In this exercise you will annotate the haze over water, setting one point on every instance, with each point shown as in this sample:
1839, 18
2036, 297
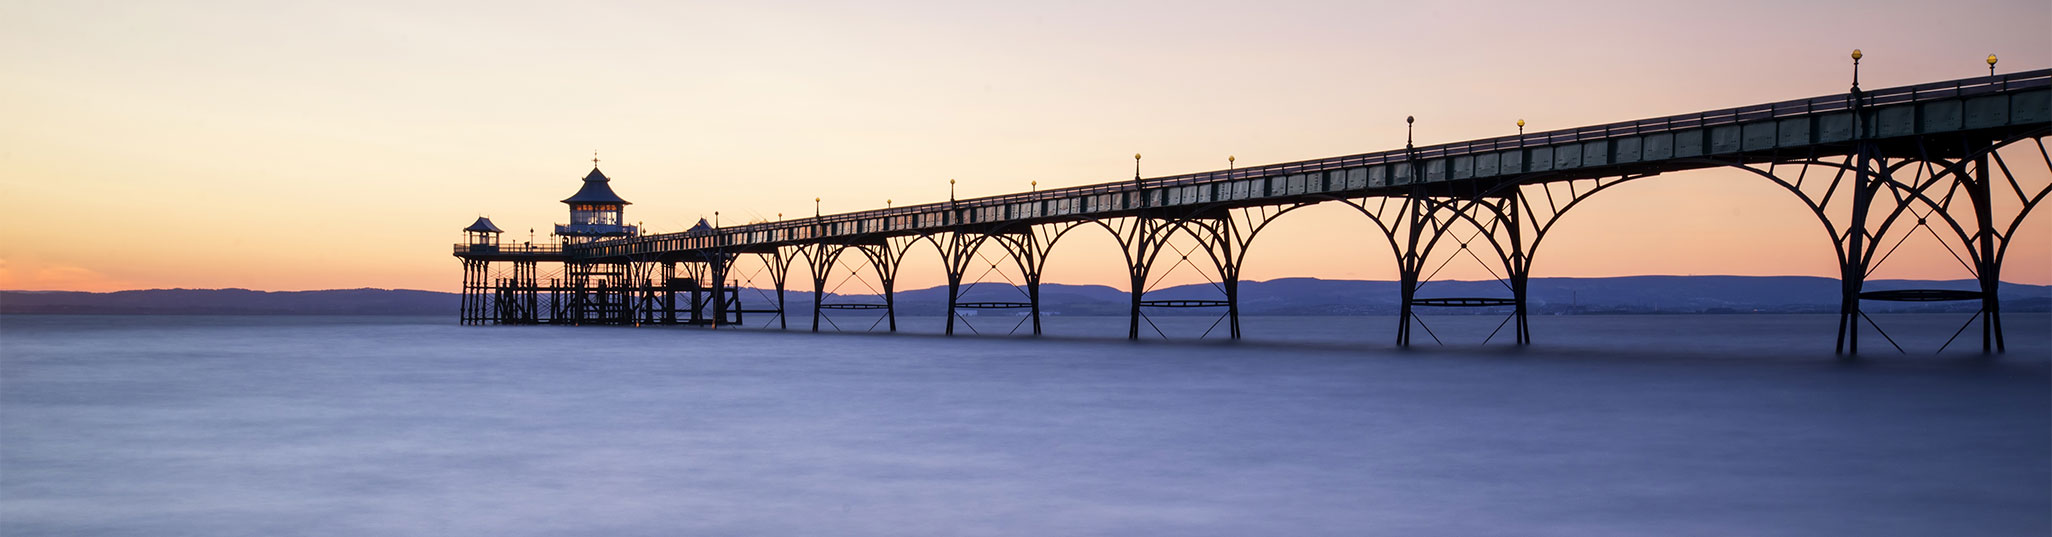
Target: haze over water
1641, 425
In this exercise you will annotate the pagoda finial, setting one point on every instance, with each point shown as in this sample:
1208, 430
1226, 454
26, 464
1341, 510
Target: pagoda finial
594, 158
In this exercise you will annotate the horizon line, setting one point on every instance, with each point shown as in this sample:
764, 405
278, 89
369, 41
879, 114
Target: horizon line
791, 290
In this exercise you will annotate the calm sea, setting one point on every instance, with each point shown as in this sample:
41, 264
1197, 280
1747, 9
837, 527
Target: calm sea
1626, 426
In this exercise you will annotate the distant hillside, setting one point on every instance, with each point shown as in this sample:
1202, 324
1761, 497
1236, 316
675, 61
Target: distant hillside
1288, 296
233, 302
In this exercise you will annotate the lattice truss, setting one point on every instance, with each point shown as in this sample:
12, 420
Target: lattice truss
1209, 244
763, 278
1430, 233
1968, 198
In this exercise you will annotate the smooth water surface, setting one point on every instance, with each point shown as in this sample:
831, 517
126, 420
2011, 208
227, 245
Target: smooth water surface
1656, 425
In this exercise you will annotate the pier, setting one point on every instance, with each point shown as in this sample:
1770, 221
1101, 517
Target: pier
1873, 165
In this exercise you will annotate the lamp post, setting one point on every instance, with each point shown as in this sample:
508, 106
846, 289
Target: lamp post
716, 219
1408, 122
1410, 152
1229, 165
1033, 186
815, 207
1991, 65
951, 191
1521, 126
1856, 55
1139, 191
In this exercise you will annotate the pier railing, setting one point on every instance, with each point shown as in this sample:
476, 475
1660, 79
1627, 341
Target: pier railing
514, 249
1365, 173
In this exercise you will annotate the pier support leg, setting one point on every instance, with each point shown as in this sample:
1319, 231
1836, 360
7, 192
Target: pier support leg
1518, 265
717, 266
1030, 266
954, 297
1138, 283
669, 292
955, 255
474, 274
1139, 262
780, 273
1228, 266
823, 262
1410, 263
1853, 265
1033, 297
525, 301
1990, 269
571, 294
818, 293
887, 275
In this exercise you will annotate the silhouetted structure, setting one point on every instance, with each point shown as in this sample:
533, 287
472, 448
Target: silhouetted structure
588, 291
1874, 167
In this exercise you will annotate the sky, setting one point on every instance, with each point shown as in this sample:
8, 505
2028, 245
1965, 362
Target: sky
294, 146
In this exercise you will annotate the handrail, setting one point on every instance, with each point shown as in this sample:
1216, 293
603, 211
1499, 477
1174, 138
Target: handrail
464, 248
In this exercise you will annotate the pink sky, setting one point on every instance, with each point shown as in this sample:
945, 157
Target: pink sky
293, 147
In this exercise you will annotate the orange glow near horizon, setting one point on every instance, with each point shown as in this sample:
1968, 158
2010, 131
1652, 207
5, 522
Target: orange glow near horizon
318, 147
